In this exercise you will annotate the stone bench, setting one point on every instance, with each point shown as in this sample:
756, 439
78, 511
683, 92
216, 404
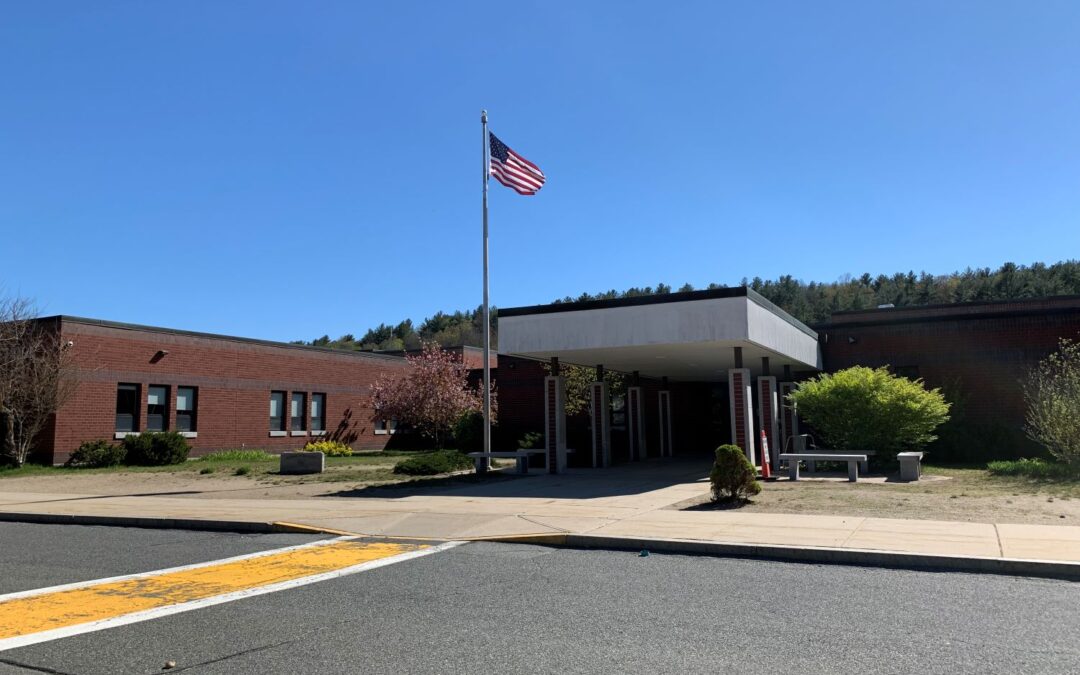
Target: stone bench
853, 462
864, 467
522, 457
910, 465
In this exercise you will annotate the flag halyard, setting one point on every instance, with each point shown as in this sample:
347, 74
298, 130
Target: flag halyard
513, 170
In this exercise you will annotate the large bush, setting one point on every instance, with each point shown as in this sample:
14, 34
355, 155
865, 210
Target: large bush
469, 432
871, 409
329, 448
432, 463
97, 453
1052, 391
733, 476
156, 448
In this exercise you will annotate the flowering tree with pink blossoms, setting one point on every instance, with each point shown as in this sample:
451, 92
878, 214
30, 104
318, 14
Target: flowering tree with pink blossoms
431, 395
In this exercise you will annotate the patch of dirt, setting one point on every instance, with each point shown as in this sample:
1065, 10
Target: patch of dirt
972, 496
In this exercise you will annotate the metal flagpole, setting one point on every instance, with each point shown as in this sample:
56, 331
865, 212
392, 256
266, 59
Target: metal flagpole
486, 314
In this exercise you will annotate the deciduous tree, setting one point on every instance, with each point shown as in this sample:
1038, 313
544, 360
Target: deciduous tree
431, 395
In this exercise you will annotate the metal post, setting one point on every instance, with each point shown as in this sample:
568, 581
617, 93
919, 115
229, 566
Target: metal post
486, 314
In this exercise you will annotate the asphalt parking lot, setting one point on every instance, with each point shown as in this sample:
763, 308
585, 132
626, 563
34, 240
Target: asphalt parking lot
510, 608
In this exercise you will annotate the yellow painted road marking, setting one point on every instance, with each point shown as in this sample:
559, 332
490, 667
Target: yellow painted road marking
36, 616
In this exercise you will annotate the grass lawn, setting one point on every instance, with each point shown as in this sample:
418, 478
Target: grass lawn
365, 467
970, 494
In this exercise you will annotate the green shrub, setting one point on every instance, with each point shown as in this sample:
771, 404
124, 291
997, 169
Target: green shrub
242, 471
733, 477
1034, 468
237, 455
1052, 392
156, 448
329, 448
97, 453
431, 463
469, 432
531, 441
871, 409
207, 469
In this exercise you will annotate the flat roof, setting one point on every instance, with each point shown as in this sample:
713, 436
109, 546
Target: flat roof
661, 298
978, 309
685, 336
213, 336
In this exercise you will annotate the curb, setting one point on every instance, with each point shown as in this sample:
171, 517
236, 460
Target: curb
246, 526
1050, 569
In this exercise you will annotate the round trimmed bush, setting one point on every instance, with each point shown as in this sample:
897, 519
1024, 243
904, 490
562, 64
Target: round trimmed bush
862, 408
93, 454
733, 477
156, 448
432, 463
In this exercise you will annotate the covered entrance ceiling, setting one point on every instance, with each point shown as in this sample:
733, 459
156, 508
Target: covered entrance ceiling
683, 336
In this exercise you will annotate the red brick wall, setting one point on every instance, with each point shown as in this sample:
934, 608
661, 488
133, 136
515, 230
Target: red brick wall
234, 380
982, 350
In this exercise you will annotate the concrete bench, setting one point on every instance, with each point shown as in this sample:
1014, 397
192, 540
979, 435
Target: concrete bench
522, 457
853, 462
864, 467
910, 465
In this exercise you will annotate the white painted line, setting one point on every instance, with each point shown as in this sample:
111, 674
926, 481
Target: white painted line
158, 612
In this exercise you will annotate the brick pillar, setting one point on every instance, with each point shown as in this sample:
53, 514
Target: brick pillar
664, 397
768, 411
555, 423
635, 422
742, 411
789, 419
601, 424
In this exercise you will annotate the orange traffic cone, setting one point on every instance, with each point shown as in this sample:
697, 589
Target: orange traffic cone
766, 472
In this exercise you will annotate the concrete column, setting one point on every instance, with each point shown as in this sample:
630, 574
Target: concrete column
635, 422
769, 415
742, 411
601, 424
664, 397
555, 423
789, 419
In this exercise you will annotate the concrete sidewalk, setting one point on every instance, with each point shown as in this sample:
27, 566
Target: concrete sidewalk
624, 502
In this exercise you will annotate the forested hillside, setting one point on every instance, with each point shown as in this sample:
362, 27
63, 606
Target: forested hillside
810, 302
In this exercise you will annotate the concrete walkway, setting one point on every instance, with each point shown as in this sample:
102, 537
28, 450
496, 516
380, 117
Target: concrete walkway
627, 501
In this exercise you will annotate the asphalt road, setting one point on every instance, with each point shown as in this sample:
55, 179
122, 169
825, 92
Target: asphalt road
501, 608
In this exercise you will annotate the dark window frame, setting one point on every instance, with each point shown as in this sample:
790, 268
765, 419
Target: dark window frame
190, 416
280, 426
321, 419
163, 413
135, 407
302, 409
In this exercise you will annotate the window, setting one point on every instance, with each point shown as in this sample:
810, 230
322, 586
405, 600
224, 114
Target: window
127, 407
157, 408
277, 411
186, 405
318, 412
297, 422
380, 427
392, 426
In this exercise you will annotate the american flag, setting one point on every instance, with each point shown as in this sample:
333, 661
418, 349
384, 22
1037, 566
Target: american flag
513, 170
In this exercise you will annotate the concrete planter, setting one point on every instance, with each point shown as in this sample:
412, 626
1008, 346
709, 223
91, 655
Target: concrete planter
302, 462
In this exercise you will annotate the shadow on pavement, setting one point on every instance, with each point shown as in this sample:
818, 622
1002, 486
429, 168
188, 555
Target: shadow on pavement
620, 480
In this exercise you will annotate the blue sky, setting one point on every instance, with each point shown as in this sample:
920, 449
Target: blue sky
287, 169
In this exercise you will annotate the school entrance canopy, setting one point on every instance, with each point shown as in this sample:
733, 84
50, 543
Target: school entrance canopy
731, 335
